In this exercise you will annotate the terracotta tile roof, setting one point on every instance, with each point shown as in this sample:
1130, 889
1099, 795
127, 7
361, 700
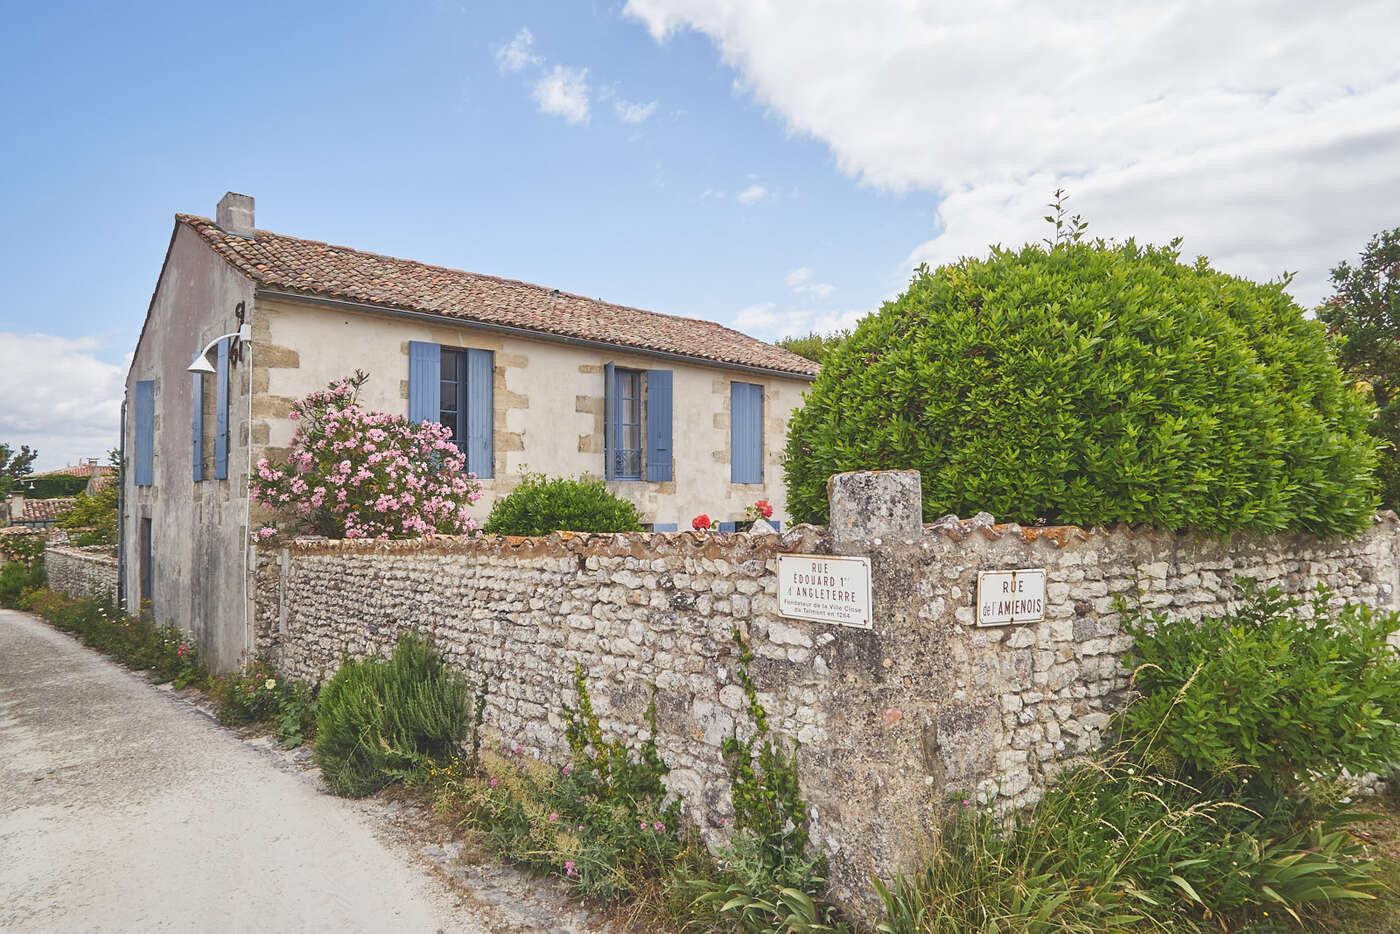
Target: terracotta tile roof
46, 510
319, 269
79, 470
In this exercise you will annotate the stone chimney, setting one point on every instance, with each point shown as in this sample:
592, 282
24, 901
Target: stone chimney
16, 507
235, 215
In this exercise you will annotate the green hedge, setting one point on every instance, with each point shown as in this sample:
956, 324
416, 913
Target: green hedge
540, 505
1092, 384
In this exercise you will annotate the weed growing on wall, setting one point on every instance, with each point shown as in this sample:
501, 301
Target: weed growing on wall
603, 822
354, 473
769, 879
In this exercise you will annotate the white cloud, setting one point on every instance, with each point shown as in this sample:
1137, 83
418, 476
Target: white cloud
766, 321
563, 92
715, 193
1266, 134
59, 398
628, 112
751, 195
518, 54
800, 281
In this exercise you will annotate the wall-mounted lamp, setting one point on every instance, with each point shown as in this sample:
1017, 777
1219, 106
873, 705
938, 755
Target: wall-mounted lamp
201, 362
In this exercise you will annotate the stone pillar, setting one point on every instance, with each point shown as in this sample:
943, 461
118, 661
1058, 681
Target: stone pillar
875, 504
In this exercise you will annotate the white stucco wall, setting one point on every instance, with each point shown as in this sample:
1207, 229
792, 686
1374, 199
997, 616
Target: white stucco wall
548, 403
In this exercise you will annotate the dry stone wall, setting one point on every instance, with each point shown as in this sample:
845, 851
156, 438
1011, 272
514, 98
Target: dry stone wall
81, 572
891, 721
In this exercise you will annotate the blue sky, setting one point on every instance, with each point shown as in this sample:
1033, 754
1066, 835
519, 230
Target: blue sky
775, 165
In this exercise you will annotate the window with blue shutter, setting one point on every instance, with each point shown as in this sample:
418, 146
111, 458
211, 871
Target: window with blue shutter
745, 433
197, 425
622, 431
424, 373
666, 527
729, 526
143, 421
659, 461
221, 413
480, 408
610, 425
455, 387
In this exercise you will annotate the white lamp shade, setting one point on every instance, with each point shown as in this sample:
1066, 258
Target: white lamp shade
201, 364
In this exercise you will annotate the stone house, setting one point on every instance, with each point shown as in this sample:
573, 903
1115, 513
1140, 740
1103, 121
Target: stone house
678, 415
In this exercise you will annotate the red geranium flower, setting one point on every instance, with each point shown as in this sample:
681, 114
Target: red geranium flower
700, 523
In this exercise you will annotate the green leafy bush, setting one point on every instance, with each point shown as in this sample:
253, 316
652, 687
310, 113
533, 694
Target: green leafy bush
540, 505
378, 719
135, 641
258, 695
1277, 690
18, 579
1091, 384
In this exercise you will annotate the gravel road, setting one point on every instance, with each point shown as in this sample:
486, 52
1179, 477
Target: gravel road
125, 808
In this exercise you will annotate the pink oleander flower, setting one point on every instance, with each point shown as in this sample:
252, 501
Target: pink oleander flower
568, 867
553, 817
495, 782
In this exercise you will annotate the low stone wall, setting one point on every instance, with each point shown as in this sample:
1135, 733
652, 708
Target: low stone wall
81, 572
891, 720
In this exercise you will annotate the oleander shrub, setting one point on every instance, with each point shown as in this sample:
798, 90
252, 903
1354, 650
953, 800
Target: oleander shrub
379, 720
1280, 691
1092, 383
541, 504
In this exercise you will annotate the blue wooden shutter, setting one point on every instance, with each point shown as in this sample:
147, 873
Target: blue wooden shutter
611, 427
480, 370
197, 425
729, 526
424, 382
143, 418
665, 527
745, 433
659, 425
221, 413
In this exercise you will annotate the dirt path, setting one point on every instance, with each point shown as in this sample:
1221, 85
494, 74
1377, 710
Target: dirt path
123, 807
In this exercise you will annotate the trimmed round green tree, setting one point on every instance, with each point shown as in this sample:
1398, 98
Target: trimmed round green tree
1092, 384
541, 504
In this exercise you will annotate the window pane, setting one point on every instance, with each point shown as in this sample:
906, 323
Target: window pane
631, 464
449, 396
450, 420
449, 364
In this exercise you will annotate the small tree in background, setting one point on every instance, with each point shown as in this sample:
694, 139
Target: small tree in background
815, 347
354, 473
14, 465
1365, 314
1093, 383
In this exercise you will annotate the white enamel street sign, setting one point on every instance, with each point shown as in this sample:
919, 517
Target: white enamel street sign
825, 589
1006, 597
